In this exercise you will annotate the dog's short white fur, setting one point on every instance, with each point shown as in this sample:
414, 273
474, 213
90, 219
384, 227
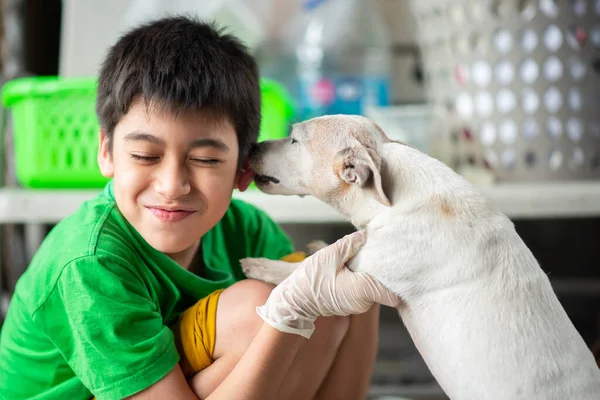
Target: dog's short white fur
478, 307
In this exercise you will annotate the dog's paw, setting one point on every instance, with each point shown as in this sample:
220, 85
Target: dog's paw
315, 246
253, 267
263, 269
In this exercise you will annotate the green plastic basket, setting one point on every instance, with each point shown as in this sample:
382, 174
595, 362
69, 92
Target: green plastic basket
56, 129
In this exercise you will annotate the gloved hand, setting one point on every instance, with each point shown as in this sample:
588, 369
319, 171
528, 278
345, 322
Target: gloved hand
323, 286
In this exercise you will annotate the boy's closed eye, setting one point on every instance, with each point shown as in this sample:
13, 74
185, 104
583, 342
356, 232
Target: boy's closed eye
199, 160
211, 150
144, 158
206, 161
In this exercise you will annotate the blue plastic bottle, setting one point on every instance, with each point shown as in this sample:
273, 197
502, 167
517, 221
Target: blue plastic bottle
334, 57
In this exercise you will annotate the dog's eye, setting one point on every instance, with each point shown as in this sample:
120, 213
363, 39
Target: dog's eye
294, 141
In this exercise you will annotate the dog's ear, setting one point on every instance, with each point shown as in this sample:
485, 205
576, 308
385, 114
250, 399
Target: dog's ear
362, 167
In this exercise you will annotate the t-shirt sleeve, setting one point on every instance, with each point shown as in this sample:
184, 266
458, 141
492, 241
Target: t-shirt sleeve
268, 238
108, 328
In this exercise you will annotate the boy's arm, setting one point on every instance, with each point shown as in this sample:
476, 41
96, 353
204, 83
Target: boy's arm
172, 386
293, 307
115, 342
258, 374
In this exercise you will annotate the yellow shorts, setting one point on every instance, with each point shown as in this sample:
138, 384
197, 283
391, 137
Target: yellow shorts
195, 334
195, 331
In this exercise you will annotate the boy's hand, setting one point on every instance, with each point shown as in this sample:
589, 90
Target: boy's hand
323, 286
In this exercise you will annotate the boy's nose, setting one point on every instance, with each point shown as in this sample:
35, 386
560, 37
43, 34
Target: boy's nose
172, 182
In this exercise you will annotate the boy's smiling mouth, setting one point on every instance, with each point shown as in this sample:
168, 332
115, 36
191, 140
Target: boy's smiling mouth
167, 214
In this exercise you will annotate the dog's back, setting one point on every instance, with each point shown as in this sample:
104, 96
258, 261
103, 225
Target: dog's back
478, 306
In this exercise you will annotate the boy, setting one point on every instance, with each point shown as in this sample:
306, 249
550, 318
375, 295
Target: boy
142, 287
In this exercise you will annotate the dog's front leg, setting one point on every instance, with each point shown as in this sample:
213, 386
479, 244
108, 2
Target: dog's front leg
275, 271
270, 271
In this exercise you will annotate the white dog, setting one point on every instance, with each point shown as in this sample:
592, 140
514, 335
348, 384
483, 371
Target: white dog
478, 307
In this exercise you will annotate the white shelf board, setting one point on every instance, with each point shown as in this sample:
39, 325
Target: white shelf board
545, 200
50, 206
526, 200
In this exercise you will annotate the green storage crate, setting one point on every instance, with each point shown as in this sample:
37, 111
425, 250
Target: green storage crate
56, 129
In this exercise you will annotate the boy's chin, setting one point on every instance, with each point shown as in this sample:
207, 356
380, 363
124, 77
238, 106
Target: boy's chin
174, 247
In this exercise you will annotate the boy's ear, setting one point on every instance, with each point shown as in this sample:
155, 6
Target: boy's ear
105, 160
244, 177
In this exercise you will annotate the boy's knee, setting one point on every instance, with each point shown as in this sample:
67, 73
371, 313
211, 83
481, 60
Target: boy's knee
237, 319
238, 322
252, 291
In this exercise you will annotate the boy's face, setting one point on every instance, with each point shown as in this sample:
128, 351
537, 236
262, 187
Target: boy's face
173, 175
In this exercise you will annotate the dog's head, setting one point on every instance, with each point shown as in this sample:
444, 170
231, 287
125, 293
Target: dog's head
333, 158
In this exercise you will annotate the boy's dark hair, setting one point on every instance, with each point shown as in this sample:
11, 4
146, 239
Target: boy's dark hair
182, 64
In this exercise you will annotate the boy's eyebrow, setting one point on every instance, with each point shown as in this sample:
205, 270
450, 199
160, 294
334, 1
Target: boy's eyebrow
208, 142
134, 136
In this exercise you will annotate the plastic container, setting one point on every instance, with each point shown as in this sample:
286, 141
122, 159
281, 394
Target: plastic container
277, 110
514, 85
56, 128
334, 58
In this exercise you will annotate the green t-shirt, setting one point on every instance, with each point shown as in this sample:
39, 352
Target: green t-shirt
90, 314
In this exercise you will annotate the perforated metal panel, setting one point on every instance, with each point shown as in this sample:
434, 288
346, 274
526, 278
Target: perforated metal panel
515, 84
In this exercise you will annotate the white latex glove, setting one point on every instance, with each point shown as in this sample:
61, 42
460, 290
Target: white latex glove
323, 286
